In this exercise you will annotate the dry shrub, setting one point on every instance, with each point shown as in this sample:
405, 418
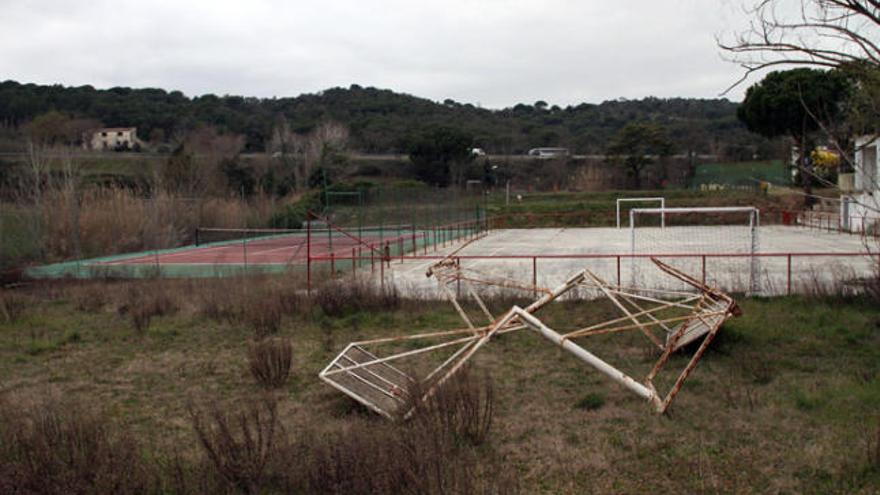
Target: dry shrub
874, 449
343, 297
256, 302
12, 305
90, 297
239, 444
462, 408
219, 299
262, 313
872, 285
143, 301
105, 220
270, 361
369, 458
56, 447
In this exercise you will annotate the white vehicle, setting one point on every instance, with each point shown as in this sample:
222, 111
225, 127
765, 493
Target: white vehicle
478, 152
548, 152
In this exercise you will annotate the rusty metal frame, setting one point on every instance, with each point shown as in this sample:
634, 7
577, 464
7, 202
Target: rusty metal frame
708, 309
362, 374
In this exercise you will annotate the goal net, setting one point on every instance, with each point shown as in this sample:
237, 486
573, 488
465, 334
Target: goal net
718, 243
623, 214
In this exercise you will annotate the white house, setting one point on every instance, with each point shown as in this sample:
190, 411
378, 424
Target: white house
114, 138
860, 211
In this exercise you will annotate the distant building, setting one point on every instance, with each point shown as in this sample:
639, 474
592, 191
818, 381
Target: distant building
548, 152
861, 211
114, 138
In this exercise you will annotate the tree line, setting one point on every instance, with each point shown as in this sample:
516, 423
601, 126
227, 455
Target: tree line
383, 121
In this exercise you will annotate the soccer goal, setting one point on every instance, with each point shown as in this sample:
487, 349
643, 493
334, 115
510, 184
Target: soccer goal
660, 201
719, 243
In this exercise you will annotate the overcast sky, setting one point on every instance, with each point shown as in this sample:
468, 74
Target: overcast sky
487, 52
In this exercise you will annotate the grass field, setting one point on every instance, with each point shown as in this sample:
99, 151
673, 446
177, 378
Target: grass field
786, 401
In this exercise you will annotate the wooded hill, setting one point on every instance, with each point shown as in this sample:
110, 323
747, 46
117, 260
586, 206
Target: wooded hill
383, 121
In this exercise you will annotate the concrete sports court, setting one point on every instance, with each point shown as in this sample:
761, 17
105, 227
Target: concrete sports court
790, 258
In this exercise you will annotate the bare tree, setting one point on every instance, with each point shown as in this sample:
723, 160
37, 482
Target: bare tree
833, 34
816, 33
300, 154
195, 168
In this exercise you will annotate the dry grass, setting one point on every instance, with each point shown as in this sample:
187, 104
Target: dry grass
768, 408
108, 220
141, 302
64, 447
12, 305
263, 314
90, 297
408, 458
874, 448
270, 361
343, 297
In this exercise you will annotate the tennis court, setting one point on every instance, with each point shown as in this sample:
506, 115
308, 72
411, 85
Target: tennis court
224, 252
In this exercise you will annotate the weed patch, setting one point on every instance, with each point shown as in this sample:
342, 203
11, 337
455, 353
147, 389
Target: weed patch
591, 402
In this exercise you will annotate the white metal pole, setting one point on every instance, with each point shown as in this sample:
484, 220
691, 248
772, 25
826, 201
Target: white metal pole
585, 356
618, 213
663, 213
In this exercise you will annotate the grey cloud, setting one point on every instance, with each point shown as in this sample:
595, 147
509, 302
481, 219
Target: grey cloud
497, 53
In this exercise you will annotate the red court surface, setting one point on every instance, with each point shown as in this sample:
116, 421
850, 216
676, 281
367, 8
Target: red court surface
274, 251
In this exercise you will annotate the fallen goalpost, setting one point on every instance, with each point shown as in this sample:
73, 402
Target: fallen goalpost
392, 375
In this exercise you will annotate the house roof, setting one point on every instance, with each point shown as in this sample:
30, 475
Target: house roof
115, 129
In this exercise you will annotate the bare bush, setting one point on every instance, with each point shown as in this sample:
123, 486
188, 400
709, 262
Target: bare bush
55, 447
270, 361
12, 305
240, 444
462, 408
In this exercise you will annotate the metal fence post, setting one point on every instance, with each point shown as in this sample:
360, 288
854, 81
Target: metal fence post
458, 279
309, 255
703, 260
535, 275
789, 275
618, 270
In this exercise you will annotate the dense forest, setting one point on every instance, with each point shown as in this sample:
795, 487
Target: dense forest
382, 121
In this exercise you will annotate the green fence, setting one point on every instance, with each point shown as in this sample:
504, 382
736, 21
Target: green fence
354, 229
740, 175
